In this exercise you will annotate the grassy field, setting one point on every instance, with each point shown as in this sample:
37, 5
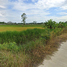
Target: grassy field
35, 25
40, 43
19, 27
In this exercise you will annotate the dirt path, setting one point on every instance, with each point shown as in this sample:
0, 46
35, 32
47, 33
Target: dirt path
59, 59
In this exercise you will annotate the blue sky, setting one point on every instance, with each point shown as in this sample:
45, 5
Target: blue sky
36, 10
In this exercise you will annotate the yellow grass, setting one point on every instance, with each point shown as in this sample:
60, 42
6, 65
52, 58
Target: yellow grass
17, 28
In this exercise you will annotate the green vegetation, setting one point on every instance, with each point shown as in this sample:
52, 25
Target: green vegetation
10, 25
52, 24
20, 37
28, 48
33, 25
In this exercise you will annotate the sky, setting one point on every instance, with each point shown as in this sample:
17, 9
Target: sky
36, 10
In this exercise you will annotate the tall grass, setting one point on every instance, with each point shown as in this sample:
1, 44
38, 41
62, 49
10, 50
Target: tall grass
20, 37
22, 55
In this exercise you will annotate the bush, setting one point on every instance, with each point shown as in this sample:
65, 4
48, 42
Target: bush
9, 47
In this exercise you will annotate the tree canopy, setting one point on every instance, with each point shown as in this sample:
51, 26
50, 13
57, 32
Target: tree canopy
23, 16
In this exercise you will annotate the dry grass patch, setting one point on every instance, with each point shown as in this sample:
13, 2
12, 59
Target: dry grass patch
8, 59
54, 44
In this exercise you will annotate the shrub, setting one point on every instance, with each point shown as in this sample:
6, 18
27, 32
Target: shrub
9, 47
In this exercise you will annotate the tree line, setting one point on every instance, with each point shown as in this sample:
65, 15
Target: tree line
50, 24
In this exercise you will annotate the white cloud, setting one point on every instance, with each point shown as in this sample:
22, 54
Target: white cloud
1, 15
35, 12
41, 4
2, 6
3, 3
64, 7
62, 13
46, 4
62, 18
45, 18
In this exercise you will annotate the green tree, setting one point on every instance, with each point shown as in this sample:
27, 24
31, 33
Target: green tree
23, 16
50, 24
61, 25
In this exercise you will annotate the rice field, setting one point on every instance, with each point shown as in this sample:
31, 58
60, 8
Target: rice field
17, 28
